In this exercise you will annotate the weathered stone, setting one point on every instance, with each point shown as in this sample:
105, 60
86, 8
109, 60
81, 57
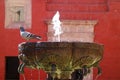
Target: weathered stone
60, 58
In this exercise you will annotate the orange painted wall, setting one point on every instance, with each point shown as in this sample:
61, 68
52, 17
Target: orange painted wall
107, 32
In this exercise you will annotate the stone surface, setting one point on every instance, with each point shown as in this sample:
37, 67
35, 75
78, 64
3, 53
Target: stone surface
74, 30
17, 13
76, 37
65, 56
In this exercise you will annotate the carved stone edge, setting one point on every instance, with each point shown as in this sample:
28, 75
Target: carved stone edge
73, 22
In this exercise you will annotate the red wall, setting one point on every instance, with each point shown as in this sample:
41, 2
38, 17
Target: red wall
107, 32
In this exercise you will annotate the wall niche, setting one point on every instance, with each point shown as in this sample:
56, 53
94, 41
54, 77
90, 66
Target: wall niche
17, 12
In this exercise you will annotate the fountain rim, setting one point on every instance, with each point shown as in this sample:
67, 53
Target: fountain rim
46, 44
64, 42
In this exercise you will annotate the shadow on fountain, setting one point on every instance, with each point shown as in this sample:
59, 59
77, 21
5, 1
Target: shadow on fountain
61, 60
77, 75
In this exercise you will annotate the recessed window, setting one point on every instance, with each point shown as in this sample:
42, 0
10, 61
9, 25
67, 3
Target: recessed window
17, 12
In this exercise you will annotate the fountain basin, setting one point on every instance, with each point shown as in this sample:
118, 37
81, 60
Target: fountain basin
60, 59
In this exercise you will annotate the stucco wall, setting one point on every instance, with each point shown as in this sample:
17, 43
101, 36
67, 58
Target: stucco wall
107, 32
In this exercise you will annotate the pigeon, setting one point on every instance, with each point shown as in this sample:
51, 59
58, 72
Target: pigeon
27, 35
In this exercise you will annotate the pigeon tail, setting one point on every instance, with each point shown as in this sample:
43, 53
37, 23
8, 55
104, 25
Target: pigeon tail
37, 37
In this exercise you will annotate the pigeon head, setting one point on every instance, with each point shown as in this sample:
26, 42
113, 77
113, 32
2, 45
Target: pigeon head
22, 29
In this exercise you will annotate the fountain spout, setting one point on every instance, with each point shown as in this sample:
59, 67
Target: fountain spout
57, 25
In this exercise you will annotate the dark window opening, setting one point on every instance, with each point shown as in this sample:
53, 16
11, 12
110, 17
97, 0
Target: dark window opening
11, 67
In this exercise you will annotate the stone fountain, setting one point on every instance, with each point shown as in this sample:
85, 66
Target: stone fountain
68, 55
61, 60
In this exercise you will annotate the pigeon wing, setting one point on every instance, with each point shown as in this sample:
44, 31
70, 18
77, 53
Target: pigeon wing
26, 35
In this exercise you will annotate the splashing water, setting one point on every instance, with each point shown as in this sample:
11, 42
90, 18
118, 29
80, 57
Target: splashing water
57, 25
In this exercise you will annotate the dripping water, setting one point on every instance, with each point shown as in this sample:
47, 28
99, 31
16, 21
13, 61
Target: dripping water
39, 74
23, 76
31, 74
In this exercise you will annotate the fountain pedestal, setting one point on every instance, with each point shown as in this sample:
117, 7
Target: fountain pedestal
62, 60
74, 31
